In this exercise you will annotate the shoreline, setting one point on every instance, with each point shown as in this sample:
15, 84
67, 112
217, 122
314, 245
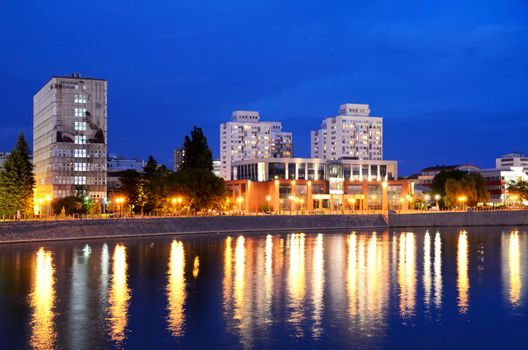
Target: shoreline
92, 229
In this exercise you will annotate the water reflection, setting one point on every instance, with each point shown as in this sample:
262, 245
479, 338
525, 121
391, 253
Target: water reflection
176, 289
427, 279
42, 301
367, 282
196, 266
512, 267
438, 271
318, 280
407, 274
119, 296
296, 281
462, 273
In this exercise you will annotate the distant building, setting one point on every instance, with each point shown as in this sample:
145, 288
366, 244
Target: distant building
497, 181
217, 167
70, 137
246, 137
428, 174
353, 134
179, 155
512, 160
3, 157
117, 166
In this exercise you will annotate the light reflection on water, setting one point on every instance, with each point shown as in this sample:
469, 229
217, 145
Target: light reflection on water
275, 288
42, 300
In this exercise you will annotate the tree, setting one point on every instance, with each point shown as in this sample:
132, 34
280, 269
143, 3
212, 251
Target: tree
17, 181
197, 153
519, 187
439, 181
471, 186
201, 188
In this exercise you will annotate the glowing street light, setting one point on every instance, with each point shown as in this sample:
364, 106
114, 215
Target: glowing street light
437, 199
462, 200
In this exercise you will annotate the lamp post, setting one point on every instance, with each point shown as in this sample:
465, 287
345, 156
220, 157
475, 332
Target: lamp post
427, 199
437, 199
268, 199
40, 200
48, 203
292, 200
120, 201
462, 200
239, 201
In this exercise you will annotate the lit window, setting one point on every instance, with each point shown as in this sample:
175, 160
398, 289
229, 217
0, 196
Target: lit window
80, 112
80, 139
81, 126
80, 153
80, 99
79, 180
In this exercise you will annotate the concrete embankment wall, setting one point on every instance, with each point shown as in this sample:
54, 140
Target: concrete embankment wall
88, 229
478, 218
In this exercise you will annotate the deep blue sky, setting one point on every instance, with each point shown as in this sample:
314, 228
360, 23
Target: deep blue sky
449, 77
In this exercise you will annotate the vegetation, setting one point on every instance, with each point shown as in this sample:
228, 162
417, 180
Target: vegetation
156, 189
519, 188
80, 203
17, 181
457, 187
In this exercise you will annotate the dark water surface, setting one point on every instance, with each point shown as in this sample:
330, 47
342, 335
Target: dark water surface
436, 288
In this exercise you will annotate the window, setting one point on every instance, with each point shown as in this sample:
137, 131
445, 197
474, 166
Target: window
80, 99
80, 167
81, 126
80, 153
80, 139
79, 180
80, 112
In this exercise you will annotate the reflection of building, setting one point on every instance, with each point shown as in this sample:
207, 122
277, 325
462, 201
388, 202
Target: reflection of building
352, 134
179, 155
297, 183
245, 137
427, 175
69, 137
512, 160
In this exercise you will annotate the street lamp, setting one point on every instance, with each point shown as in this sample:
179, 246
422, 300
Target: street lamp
120, 201
239, 201
462, 200
437, 199
48, 202
427, 199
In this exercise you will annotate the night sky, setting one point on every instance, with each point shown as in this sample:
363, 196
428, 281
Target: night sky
450, 78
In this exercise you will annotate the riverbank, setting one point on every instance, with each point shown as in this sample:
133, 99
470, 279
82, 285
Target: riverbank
469, 218
31, 231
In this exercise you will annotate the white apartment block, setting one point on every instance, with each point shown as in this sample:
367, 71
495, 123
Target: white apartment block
70, 137
512, 160
353, 134
245, 137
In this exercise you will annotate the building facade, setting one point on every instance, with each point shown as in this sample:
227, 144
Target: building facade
117, 166
70, 137
497, 181
246, 137
317, 184
512, 160
352, 134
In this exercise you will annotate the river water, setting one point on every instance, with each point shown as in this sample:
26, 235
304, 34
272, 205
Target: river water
419, 288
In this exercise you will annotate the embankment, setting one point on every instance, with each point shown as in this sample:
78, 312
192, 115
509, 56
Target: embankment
470, 218
110, 228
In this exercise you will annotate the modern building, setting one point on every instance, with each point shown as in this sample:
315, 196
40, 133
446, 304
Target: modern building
316, 184
352, 134
425, 178
512, 160
246, 137
497, 181
178, 156
70, 137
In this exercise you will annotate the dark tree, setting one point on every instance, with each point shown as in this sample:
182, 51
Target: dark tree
17, 181
453, 184
439, 181
520, 188
197, 153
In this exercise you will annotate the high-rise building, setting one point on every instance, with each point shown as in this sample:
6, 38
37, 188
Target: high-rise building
353, 134
70, 137
245, 137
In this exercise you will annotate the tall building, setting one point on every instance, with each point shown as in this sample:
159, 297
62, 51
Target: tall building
512, 160
353, 134
245, 137
179, 155
70, 137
